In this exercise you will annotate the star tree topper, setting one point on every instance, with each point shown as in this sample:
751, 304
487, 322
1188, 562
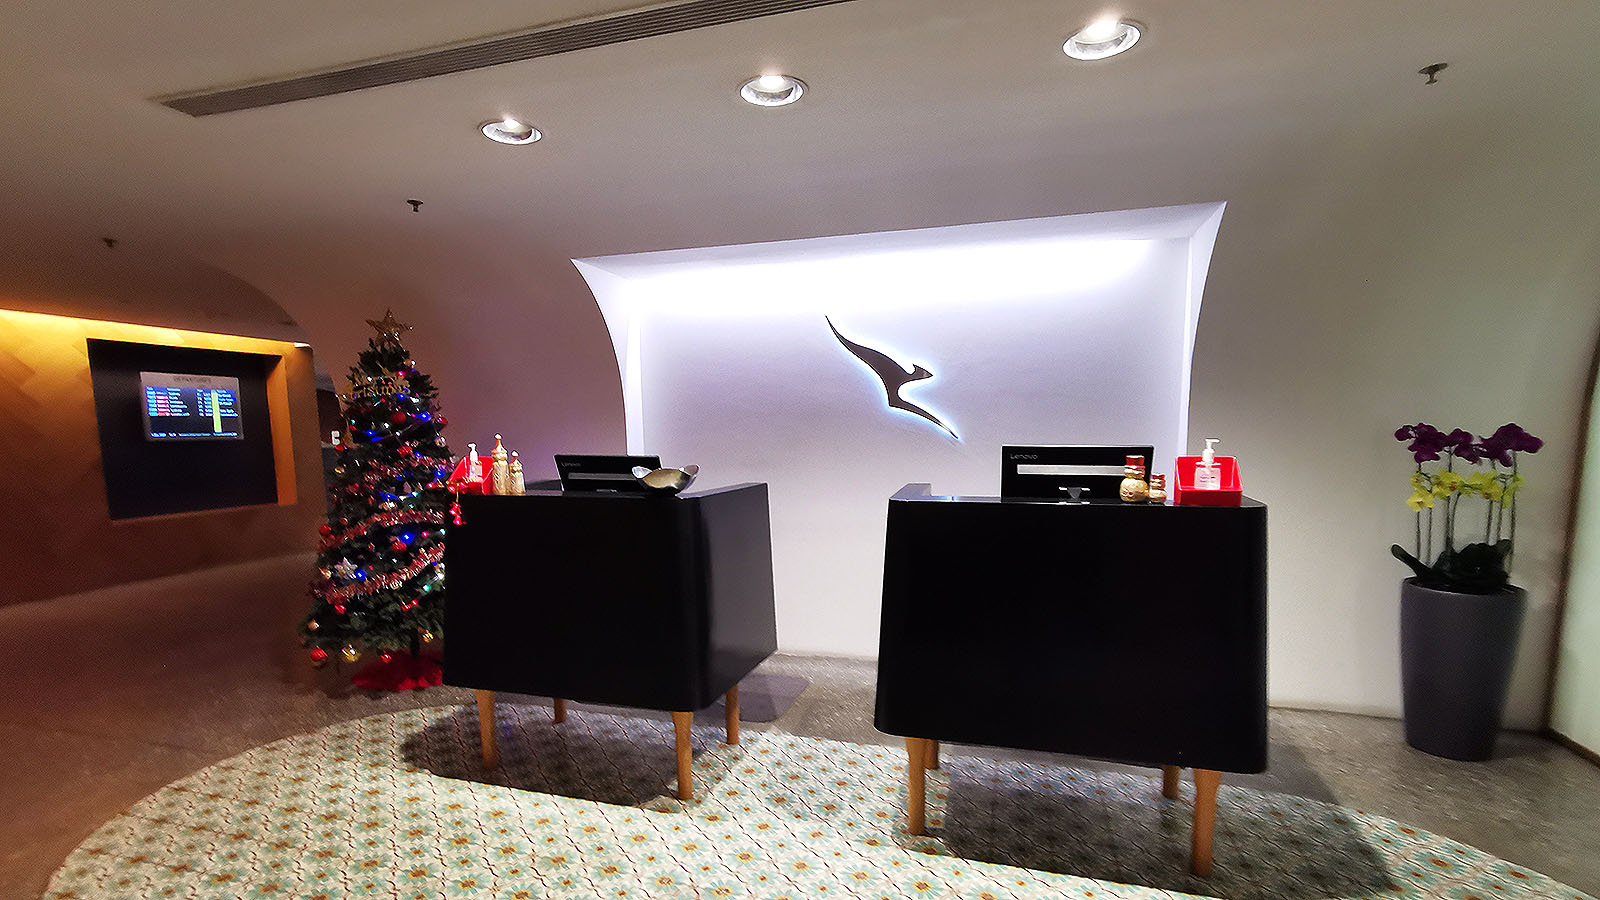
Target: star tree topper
389, 328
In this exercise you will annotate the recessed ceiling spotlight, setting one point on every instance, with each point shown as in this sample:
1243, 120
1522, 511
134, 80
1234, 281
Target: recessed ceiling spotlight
510, 131
1103, 38
772, 90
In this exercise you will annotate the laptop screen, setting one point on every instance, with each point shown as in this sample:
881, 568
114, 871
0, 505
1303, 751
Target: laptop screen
590, 472
1085, 473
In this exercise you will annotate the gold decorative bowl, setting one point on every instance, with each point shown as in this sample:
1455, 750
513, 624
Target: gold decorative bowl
666, 480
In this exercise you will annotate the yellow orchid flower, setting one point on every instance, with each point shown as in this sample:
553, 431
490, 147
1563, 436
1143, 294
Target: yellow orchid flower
1483, 484
1446, 483
1419, 481
1419, 499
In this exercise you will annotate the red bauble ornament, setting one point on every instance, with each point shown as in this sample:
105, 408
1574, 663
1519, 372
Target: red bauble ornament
319, 655
339, 608
399, 417
326, 530
386, 656
398, 546
443, 421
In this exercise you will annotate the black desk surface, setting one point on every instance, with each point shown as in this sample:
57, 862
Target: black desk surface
653, 602
1129, 632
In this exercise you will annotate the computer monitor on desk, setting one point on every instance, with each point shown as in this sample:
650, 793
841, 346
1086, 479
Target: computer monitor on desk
614, 474
1086, 474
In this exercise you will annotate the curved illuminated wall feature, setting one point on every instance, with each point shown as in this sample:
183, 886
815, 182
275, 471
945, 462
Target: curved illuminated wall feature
1064, 330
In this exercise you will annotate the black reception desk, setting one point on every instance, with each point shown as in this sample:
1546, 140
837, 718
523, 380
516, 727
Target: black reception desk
647, 601
1128, 632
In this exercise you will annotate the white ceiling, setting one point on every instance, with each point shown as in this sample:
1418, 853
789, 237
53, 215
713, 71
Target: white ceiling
922, 112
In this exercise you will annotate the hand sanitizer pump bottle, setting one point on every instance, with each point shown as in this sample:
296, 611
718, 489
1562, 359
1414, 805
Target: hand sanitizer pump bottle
1207, 477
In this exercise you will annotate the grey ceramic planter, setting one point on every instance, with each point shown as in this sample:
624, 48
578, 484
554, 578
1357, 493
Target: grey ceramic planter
1456, 654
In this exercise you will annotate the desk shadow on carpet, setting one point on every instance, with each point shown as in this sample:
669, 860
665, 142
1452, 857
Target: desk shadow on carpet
1106, 825
1117, 827
613, 757
764, 697
619, 759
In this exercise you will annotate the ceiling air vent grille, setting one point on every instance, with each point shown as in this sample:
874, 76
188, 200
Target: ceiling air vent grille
546, 41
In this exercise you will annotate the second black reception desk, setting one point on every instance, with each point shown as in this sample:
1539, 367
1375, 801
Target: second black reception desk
1127, 632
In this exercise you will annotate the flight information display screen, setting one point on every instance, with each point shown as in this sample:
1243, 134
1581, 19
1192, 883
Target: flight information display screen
180, 407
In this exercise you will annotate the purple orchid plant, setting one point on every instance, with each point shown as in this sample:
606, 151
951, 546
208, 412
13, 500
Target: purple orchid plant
1437, 493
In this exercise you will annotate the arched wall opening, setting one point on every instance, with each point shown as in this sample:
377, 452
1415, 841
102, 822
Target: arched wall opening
1574, 705
756, 362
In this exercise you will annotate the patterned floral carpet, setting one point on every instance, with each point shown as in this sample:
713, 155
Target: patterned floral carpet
398, 806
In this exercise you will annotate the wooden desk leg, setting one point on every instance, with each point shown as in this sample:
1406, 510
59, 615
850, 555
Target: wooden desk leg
933, 754
680, 724
1205, 819
1169, 782
916, 784
732, 703
560, 710
491, 747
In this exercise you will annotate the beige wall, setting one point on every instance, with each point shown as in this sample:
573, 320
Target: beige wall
1379, 268
57, 535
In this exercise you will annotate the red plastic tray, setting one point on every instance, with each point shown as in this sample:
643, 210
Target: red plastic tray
1185, 494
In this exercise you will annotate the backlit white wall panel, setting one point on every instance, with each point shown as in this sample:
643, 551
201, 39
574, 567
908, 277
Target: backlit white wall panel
1060, 335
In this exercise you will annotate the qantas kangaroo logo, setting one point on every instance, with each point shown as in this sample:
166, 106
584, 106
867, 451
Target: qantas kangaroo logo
893, 376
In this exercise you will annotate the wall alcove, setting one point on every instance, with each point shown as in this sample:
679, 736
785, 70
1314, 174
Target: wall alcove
748, 361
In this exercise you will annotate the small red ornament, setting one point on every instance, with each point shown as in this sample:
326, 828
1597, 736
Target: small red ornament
386, 656
319, 655
339, 608
326, 530
405, 450
443, 421
399, 417
398, 546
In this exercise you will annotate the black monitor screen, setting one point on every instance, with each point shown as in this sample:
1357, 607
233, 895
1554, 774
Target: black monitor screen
592, 472
190, 407
1090, 474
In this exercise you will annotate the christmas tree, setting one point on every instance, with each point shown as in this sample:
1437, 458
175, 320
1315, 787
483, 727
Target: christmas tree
380, 563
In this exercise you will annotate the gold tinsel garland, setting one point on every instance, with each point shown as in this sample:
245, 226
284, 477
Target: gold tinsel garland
390, 580
382, 520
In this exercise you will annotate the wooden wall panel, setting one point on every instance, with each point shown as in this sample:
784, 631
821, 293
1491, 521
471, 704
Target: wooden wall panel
56, 536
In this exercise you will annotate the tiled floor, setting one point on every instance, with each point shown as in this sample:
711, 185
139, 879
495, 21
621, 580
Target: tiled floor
110, 695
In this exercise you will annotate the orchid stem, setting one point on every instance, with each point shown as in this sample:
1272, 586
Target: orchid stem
1511, 553
1427, 559
1419, 521
1500, 513
1450, 508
